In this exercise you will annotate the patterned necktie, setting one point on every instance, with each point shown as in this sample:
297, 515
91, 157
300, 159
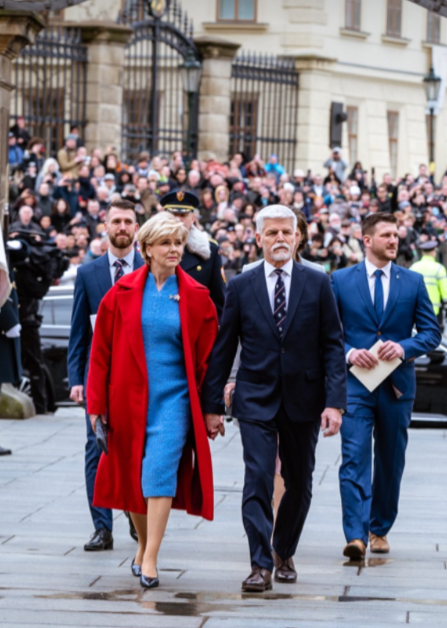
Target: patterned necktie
119, 272
378, 295
279, 303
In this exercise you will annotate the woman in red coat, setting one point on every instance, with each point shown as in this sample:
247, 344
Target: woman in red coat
153, 337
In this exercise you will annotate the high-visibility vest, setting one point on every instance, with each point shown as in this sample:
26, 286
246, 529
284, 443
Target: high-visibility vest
435, 279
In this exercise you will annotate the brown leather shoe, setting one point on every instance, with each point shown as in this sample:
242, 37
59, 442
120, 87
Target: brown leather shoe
258, 581
378, 544
285, 571
355, 549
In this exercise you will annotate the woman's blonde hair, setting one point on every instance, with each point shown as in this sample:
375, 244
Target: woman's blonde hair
160, 226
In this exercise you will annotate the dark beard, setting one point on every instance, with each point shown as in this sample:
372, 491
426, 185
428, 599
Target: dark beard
121, 244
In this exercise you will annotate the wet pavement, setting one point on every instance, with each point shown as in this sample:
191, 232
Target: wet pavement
46, 579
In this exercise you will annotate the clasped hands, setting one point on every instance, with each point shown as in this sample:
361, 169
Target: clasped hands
364, 359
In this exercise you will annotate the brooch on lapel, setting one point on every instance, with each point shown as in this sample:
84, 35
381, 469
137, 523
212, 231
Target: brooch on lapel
176, 297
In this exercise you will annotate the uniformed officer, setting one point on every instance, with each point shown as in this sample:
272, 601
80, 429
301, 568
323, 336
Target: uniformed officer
201, 259
435, 276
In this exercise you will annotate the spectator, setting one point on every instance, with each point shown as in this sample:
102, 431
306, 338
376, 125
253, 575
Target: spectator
336, 164
93, 219
68, 158
36, 152
44, 200
15, 154
20, 133
25, 223
60, 215
49, 172
66, 190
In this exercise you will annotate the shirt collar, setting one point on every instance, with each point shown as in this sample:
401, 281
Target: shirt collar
287, 268
371, 269
129, 258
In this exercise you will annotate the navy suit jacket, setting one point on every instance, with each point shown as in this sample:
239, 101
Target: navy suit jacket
92, 282
408, 306
305, 370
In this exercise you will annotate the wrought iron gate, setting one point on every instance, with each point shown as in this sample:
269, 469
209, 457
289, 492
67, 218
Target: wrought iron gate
50, 79
156, 114
264, 107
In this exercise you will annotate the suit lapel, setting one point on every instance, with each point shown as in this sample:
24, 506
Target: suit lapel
298, 281
103, 276
362, 284
130, 301
393, 294
259, 285
138, 261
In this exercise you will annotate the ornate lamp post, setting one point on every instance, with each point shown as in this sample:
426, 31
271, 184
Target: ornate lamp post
432, 84
190, 71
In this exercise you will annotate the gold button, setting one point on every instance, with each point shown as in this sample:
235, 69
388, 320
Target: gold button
199, 268
379, 333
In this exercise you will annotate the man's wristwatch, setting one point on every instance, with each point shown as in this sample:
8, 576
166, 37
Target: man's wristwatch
342, 411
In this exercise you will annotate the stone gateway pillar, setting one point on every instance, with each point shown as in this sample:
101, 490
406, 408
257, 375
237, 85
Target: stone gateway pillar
106, 42
215, 97
17, 30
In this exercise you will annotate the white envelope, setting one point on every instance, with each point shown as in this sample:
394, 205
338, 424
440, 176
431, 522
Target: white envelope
374, 377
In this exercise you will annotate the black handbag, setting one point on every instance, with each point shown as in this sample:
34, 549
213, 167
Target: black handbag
102, 435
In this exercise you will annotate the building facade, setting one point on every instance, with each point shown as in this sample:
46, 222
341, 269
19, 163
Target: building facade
371, 57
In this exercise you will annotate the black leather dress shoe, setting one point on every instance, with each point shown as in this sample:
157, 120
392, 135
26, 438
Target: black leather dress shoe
136, 569
5, 452
258, 581
285, 571
132, 531
149, 583
100, 540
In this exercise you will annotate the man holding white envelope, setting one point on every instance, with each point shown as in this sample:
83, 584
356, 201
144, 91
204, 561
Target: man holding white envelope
379, 305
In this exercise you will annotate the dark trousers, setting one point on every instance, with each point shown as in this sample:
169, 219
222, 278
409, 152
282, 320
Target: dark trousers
297, 443
102, 517
32, 361
370, 503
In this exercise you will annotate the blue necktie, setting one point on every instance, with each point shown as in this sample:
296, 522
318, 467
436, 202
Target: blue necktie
378, 295
279, 303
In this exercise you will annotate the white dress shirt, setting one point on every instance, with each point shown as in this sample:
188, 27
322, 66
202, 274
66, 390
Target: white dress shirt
386, 278
271, 278
127, 268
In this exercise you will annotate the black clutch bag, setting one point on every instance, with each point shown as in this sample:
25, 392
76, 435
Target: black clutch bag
102, 436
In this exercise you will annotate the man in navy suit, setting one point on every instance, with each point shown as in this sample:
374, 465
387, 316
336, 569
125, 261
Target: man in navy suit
378, 300
291, 381
92, 282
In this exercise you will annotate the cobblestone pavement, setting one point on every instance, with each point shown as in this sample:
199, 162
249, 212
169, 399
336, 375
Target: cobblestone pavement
46, 579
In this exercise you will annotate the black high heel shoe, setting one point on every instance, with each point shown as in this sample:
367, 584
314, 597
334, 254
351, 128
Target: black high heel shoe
136, 569
149, 583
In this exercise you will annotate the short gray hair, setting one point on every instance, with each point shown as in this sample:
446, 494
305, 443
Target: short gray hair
274, 211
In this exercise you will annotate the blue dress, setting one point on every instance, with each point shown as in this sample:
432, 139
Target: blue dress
169, 409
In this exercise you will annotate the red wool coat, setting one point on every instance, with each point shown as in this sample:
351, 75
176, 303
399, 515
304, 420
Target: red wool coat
118, 385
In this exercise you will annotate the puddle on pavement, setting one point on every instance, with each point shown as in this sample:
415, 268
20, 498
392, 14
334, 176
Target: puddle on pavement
186, 604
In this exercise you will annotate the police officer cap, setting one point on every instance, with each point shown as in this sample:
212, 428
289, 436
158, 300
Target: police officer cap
428, 246
179, 202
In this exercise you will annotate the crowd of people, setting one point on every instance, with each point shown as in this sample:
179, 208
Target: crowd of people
64, 199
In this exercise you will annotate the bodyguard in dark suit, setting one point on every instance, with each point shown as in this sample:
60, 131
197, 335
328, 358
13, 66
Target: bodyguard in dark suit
378, 300
291, 382
93, 280
201, 258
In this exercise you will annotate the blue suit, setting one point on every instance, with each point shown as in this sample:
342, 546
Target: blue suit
371, 504
282, 387
93, 280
